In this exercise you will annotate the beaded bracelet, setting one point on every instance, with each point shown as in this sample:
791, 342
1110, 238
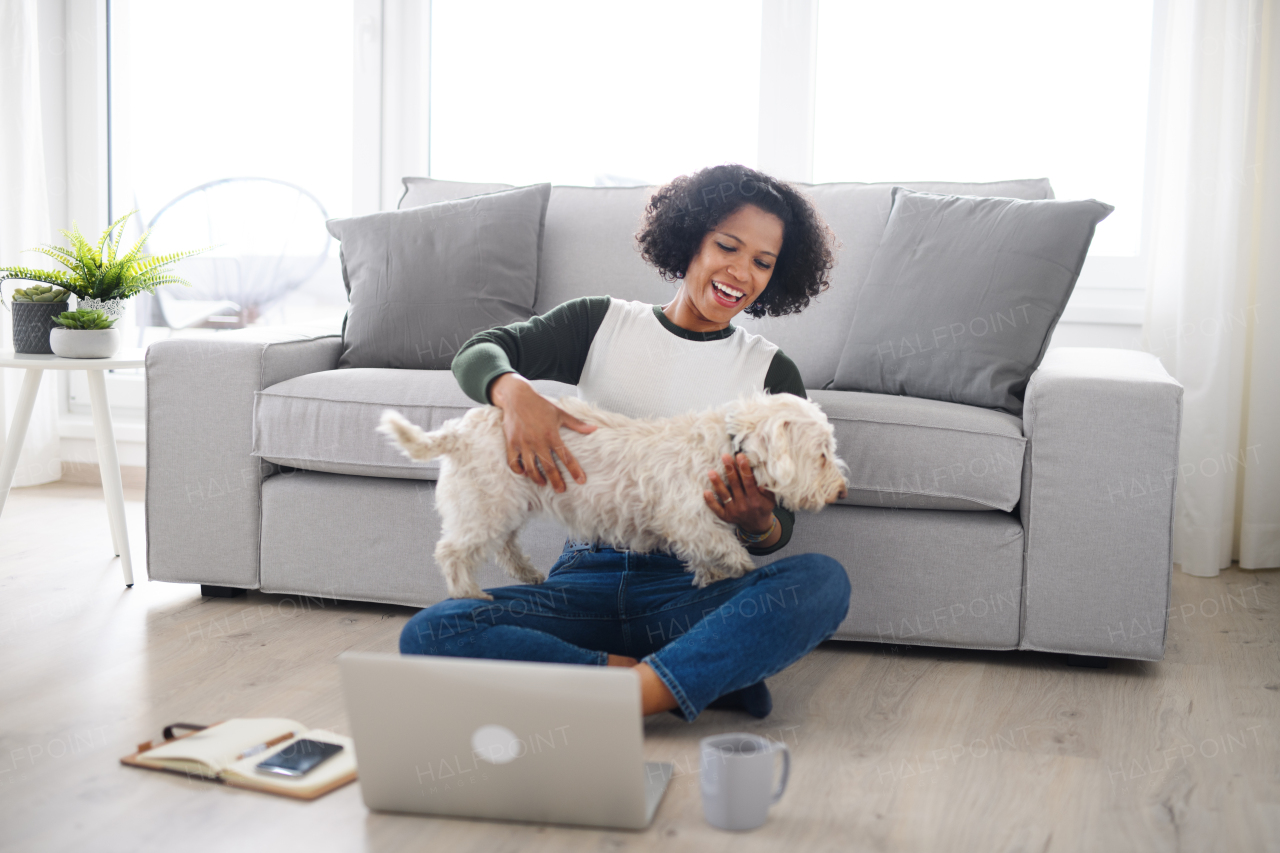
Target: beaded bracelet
757, 538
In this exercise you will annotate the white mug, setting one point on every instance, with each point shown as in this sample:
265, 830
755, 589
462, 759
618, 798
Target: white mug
737, 779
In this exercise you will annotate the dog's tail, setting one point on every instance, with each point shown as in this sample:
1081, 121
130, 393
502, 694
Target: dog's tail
416, 442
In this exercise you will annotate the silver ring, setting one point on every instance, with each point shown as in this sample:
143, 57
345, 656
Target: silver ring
728, 500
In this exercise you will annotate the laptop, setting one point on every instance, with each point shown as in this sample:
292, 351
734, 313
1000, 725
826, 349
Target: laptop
504, 740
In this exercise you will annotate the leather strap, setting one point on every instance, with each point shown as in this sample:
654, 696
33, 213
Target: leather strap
168, 730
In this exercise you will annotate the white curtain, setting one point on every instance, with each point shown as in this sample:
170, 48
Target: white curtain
1213, 309
24, 222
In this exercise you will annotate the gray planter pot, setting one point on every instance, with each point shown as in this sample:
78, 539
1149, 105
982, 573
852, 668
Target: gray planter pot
32, 323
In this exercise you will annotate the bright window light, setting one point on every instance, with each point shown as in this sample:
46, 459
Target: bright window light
592, 93
236, 88
204, 92
986, 90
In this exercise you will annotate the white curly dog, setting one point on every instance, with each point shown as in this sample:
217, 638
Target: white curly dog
645, 482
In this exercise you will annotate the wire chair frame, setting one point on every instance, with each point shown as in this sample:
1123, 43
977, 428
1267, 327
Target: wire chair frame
302, 200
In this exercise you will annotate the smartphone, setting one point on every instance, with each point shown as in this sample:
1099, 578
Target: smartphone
298, 758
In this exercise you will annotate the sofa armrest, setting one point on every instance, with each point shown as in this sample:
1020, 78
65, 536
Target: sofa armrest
203, 486
1098, 486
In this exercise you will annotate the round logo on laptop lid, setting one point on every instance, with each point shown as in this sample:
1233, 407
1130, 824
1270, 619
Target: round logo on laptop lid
497, 744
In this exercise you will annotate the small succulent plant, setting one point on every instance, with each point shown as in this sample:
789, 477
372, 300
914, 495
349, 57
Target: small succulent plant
41, 293
85, 318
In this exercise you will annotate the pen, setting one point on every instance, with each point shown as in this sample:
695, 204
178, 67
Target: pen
264, 746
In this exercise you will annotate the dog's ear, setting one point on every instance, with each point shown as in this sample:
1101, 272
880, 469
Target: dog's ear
779, 457
745, 414
741, 419
768, 448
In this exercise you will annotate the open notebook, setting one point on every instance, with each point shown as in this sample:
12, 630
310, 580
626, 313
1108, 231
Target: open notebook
218, 753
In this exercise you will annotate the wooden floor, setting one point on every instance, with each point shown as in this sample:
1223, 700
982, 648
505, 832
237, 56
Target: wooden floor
894, 748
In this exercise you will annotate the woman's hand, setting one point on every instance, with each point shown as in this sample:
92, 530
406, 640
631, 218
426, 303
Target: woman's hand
737, 499
532, 425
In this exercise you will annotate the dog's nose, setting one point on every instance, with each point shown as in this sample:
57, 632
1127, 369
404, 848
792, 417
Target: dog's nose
842, 494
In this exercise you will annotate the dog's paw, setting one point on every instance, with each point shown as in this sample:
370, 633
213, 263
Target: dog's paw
704, 575
736, 568
472, 591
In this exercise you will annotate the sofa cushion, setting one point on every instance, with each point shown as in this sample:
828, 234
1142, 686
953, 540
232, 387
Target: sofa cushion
591, 248
423, 281
909, 453
326, 421
857, 213
902, 452
963, 294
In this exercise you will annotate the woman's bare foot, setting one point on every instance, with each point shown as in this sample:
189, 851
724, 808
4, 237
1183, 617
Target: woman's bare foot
654, 695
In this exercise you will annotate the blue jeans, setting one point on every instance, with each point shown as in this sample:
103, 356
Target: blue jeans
702, 643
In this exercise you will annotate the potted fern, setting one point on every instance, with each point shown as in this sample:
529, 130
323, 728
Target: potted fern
84, 333
103, 277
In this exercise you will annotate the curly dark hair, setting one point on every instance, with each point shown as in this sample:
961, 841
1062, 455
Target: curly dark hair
682, 212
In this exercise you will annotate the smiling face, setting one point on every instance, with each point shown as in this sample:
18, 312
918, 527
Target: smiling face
729, 271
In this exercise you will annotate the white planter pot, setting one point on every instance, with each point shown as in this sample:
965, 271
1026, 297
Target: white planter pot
84, 343
113, 308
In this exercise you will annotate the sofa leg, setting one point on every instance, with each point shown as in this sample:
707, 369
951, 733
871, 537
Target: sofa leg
210, 591
1087, 661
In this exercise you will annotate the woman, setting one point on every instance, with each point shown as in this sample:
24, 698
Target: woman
737, 241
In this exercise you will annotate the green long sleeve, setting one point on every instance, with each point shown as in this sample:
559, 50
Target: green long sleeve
553, 345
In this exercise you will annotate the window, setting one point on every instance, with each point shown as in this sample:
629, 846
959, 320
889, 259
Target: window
592, 93
214, 93
987, 90
582, 92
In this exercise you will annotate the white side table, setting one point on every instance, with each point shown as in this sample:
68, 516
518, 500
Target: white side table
108, 463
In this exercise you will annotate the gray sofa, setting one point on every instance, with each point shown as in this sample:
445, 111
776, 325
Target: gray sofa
963, 527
